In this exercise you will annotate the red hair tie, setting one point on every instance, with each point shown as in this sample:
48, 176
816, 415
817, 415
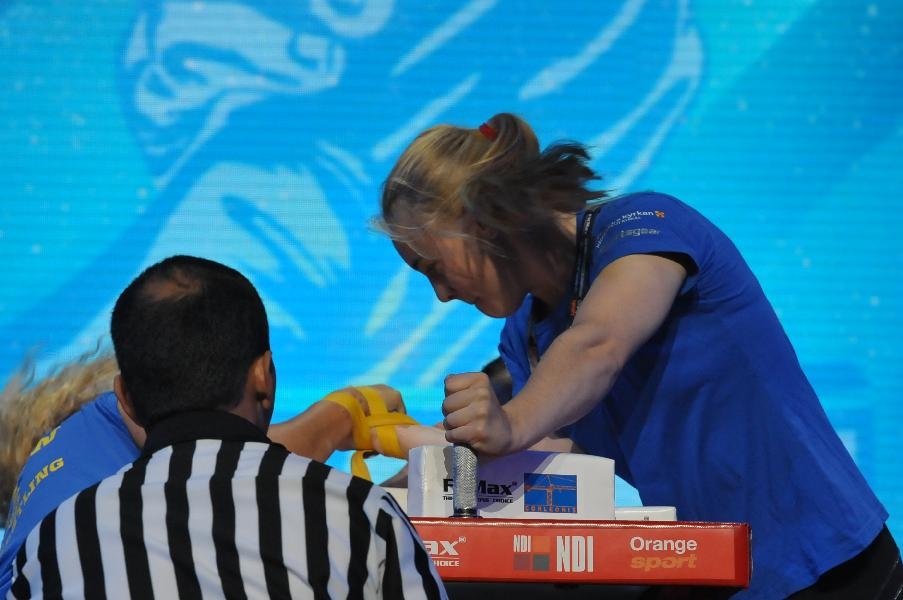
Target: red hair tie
488, 132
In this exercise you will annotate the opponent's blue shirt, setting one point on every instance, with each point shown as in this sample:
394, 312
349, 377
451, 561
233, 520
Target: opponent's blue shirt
93, 443
714, 414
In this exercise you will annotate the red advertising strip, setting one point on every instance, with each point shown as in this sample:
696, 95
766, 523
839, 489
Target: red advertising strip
624, 552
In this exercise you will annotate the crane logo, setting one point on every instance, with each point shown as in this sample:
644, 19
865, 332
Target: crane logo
547, 493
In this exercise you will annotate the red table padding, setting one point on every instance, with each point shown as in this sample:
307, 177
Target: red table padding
617, 552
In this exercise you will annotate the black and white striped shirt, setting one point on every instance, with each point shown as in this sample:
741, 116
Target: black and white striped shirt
213, 509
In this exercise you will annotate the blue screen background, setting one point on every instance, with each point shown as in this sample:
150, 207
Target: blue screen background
258, 134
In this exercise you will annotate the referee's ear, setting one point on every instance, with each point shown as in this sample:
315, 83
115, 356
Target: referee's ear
125, 401
127, 410
262, 378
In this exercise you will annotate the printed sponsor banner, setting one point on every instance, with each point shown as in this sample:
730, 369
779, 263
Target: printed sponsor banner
545, 550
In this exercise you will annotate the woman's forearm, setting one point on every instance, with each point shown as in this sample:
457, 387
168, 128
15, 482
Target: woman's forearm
575, 372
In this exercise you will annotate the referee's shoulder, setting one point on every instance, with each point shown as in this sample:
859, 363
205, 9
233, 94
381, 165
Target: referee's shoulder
353, 487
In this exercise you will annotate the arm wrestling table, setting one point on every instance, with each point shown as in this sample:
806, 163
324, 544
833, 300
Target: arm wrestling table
565, 557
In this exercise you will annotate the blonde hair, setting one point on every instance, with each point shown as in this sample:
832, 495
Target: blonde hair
30, 409
503, 182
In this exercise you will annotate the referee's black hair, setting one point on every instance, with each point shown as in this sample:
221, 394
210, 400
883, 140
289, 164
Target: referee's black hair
185, 333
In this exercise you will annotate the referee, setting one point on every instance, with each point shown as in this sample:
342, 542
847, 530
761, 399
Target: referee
212, 508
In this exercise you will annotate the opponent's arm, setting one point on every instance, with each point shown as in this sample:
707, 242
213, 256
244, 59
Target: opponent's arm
326, 426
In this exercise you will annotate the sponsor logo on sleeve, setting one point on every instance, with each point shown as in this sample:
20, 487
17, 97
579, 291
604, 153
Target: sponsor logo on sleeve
608, 236
637, 215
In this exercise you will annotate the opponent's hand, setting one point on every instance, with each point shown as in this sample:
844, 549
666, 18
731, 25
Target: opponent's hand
390, 396
473, 415
411, 436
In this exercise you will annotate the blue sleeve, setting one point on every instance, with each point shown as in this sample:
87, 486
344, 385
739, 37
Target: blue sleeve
650, 223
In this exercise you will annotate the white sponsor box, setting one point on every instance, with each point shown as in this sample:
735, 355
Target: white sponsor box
524, 485
645, 513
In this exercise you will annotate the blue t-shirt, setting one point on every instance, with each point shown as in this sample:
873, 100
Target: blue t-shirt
93, 443
714, 414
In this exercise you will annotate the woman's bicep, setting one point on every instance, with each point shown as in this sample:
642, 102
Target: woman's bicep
629, 300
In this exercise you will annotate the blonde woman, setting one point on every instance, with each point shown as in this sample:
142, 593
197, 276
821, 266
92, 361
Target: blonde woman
634, 327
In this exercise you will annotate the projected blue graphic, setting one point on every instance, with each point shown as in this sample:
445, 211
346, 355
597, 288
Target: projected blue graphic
258, 134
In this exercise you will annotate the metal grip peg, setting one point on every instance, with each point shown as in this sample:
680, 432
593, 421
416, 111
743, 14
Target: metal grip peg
464, 481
